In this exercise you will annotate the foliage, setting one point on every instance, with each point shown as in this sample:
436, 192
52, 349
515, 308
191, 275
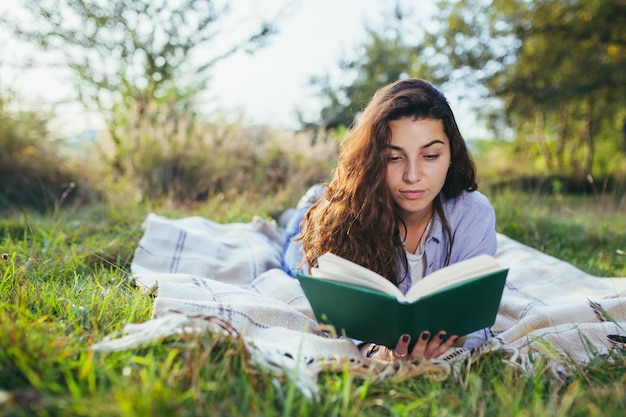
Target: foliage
388, 54
33, 172
557, 67
223, 158
64, 285
182, 160
502, 164
549, 74
128, 57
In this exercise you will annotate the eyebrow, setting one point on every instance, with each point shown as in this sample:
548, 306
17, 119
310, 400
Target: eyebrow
434, 142
428, 145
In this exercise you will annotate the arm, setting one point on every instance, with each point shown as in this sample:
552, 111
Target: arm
292, 251
292, 254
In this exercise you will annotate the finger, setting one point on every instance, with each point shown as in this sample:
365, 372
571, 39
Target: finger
434, 344
420, 346
402, 347
445, 346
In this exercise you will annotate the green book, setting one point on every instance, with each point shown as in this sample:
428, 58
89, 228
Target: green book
460, 299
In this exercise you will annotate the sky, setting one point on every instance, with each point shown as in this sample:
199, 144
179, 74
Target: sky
265, 87
311, 41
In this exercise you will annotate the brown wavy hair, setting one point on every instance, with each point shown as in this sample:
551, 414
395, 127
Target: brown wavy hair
356, 218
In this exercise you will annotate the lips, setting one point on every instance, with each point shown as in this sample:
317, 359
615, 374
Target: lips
412, 194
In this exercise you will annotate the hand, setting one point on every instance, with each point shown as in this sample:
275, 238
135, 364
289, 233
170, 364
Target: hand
424, 348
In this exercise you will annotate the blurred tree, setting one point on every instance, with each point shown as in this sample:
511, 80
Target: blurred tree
558, 67
552, 72
388, 54
132, 57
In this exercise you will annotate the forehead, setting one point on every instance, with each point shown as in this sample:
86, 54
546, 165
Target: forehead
417, 132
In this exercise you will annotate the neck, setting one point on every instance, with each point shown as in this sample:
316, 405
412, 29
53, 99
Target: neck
414, 231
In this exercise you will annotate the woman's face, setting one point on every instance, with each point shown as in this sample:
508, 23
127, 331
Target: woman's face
418, 161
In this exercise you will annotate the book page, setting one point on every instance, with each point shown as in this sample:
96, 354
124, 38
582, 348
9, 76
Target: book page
336, 268
453, 274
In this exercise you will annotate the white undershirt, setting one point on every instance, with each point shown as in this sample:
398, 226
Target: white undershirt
416, 265
416, 260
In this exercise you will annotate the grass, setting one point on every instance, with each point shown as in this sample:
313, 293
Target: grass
65, 285
588, 232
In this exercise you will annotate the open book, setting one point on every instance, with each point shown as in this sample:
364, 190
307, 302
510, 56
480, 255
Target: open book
460, 298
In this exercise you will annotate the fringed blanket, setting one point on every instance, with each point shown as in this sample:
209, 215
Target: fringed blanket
227, 278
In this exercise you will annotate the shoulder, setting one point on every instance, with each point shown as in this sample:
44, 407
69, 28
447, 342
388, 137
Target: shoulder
473, 222
470, 213
468, 203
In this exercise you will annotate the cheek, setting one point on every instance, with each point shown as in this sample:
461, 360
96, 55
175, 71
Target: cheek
441, 174
394, 174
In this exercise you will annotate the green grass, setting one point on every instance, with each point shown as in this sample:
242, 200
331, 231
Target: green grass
66, 285
587, 232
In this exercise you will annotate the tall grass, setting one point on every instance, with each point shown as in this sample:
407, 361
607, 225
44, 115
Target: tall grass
65, 284
165, 155
589, 232
178, 155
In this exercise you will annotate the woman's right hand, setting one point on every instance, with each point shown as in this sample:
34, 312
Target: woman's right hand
425, 347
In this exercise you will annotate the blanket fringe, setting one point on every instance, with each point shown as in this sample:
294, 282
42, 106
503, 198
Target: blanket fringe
137, 334
299, 367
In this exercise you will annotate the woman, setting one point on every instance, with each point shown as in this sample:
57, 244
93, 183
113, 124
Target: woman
402, 202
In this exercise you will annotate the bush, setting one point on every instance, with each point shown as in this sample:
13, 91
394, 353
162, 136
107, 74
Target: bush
167, 155
33, 174
503, 165
177, 156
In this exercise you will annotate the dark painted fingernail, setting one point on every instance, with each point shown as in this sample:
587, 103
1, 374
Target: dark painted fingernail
425, 335
442, 335
405, 338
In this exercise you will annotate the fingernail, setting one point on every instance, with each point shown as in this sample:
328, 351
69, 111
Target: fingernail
442, 335
405, 338
425, 335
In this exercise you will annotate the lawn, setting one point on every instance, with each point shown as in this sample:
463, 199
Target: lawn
65, 285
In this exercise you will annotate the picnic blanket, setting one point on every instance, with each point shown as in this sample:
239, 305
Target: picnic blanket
227, 278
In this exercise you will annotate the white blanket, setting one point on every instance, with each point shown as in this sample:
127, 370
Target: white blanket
227, 277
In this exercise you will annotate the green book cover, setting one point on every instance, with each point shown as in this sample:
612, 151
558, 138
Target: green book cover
374, 316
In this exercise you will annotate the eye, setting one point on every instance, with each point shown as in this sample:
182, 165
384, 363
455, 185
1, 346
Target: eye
394, 157
431, 157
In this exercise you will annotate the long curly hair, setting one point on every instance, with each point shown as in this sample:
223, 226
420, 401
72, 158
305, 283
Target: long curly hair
357, 218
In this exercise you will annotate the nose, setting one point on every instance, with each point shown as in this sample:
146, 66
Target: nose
412, 172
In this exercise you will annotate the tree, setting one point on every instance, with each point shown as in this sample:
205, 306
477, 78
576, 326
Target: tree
553, 72
131, 58
388, 54
559, 68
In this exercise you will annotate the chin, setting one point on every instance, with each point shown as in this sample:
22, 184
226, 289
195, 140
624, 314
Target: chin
412, 210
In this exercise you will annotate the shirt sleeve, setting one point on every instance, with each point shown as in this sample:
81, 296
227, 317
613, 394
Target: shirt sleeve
292, 251
474, 234
473, 223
